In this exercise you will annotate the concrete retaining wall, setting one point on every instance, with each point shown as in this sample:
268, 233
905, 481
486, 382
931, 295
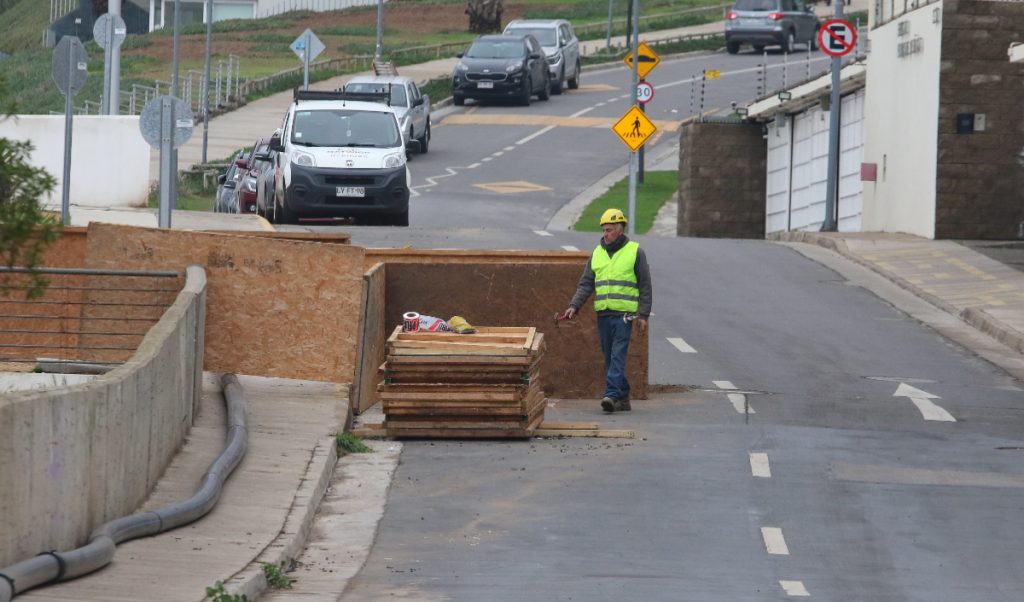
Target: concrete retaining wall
76, 457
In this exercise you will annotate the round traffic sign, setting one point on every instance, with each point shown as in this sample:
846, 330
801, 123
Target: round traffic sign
837, 37
109, 28
644, 92
151, 121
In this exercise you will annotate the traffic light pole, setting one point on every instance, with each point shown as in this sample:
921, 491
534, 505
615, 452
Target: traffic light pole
634, 158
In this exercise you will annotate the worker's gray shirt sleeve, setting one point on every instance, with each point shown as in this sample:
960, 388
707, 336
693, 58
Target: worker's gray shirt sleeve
643, 282
584, 288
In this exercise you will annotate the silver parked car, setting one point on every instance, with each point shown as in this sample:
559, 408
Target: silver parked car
763, 23
411, 106
561, 49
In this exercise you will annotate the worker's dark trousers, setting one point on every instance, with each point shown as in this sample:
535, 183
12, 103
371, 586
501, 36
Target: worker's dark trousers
615, 335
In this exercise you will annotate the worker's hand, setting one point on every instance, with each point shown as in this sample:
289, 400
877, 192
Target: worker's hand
569, 314
641, 323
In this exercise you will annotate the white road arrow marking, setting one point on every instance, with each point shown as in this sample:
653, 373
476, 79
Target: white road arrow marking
922, 399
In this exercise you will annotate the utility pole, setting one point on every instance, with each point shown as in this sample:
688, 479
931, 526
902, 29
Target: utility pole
174, 92
380, 30
608, 40
114, 91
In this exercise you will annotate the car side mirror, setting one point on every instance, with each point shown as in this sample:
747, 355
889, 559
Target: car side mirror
222, 178
534, 55
262, 157
230, 184
412, 146
562, 43
241, 163
459, 55
417, 102
275, 143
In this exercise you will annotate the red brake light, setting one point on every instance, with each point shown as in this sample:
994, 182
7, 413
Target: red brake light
775, 16
733, 15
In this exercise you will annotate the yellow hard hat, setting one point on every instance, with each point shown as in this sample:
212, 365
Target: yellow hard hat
613, 216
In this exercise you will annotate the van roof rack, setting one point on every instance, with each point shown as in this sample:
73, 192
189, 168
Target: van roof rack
342, 95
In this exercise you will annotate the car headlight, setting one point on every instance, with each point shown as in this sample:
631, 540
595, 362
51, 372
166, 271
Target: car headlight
555, 58
250, 185
394, 160
304, 159
512, 68
460, 66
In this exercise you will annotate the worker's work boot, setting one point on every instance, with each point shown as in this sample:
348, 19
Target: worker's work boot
608, 404
621, 405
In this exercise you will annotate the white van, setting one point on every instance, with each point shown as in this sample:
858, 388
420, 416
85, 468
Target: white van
341, 155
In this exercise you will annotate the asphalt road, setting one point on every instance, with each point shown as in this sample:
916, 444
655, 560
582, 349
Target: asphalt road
812, 440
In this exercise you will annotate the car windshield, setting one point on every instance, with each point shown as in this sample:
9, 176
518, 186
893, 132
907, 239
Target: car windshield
343, 127
755, 5
495, 49
545, 35
398, 96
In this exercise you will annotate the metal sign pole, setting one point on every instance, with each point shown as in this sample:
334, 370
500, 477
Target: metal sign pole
380, 30
65, 200
305, 64
166, 169
633, 157
608, 39
829, 223
114, 8
206, 77
108, 58
173, 182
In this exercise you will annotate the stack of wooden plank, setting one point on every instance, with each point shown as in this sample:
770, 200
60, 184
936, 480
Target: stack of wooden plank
481, 385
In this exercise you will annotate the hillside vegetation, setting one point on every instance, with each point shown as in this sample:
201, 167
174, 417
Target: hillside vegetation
263, 44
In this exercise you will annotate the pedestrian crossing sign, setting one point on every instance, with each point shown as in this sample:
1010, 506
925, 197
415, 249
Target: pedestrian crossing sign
634, 128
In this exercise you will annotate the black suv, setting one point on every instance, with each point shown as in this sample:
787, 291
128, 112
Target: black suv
763, 23
501, 67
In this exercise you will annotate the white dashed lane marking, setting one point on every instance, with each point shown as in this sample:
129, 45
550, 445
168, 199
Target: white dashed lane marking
794, 588
739, 401
681, 345
542, 233
774, 542
473, 166
535, 134
724, 384
759, 466
569, 248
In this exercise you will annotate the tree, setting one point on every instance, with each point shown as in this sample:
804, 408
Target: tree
484, 15
25, 230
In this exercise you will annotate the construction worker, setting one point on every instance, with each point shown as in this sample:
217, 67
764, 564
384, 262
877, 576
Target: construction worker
619, 276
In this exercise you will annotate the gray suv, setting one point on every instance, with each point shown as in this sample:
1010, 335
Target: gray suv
763, 23
561, 49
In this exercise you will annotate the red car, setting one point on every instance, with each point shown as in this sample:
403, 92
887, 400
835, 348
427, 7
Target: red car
256, 161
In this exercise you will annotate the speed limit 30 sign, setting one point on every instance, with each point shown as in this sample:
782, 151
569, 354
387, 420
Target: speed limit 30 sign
837, 37
644, 92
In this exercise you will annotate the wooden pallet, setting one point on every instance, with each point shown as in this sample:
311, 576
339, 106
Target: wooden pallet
482, 385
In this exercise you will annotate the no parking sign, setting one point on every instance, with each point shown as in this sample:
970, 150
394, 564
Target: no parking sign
837, 37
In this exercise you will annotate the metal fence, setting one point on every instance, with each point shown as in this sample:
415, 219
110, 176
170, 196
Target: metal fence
84, 315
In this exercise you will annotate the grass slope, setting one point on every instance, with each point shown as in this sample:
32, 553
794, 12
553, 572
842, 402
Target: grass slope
659, 187
22, 25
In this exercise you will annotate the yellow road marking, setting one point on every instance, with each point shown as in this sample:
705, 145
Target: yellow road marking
596, 88
517, 186
266, 225
546, 120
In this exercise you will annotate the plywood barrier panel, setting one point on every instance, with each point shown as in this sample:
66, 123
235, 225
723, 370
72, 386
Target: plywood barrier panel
391, 256
513, 294
68, 251
274, 307
374, 333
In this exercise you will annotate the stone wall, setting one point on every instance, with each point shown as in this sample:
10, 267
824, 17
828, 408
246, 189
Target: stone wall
980, 180
722, 181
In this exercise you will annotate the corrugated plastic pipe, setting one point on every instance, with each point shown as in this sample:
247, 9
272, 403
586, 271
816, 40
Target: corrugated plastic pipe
60, 566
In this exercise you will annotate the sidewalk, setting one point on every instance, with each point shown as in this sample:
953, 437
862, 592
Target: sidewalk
985, 293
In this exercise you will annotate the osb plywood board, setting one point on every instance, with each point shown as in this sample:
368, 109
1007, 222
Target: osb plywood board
517, 294
273, 307
68, 251
374, 333
336, 238
473, 256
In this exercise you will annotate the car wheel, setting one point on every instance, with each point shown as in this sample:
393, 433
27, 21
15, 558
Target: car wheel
574, 81
759, 48
545, 91
282, 215
732, 47
556, 88
527, 92
458, 100
425, 140
789, 42
398, 219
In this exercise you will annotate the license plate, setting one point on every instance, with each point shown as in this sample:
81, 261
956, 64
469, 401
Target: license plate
485, 85
357, 191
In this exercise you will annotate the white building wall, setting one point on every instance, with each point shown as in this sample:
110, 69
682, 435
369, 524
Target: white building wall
849, 202
901, 111
109, 158
777, 177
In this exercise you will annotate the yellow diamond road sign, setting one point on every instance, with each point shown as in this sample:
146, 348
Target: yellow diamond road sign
634, 128
649, 59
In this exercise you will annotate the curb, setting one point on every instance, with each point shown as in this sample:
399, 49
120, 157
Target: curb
976, 317
288, 545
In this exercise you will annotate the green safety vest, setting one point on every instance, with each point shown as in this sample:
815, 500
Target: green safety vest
615, 287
